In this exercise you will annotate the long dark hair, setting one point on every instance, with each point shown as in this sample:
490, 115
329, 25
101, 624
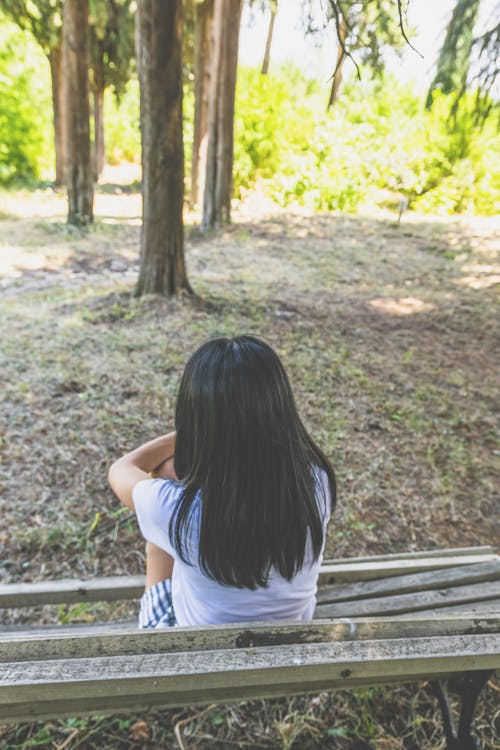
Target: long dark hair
242, 446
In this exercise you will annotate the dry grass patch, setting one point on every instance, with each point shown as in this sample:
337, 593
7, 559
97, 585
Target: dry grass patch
393, 357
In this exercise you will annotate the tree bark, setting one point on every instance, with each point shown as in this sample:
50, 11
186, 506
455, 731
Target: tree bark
79, 161
59, 114
269, 40
202, 70
337, 75
159, 43
218, 179
98, 86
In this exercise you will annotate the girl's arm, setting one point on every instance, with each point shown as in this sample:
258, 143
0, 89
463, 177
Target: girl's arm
137, 465
159, 564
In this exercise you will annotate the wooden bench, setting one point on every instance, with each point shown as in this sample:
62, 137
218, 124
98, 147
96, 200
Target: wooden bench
379, 620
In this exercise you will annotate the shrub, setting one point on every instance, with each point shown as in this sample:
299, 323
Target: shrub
377, 136
25, 107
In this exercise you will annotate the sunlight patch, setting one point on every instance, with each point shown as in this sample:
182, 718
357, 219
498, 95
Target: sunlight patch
479, 282
14, 261
480, 276
401, 305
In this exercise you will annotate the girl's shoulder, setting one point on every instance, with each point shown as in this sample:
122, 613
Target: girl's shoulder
156, 495
156, 501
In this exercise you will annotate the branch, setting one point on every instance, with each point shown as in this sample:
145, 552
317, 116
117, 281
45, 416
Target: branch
340, 19
401, 26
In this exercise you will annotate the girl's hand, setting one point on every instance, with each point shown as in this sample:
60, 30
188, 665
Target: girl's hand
165, 470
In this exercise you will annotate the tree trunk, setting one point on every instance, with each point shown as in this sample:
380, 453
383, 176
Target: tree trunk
218, 179
454, 57
337, 75
159, 43
79, 161
202, 69
98, 86
58, 109
269, 40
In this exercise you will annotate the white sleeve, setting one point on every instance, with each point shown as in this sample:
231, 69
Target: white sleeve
323, 494
155, 501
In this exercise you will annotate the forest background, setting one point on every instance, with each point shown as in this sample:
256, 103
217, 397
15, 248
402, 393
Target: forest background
379, 142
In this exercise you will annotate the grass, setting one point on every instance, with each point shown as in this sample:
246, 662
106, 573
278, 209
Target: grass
389, 335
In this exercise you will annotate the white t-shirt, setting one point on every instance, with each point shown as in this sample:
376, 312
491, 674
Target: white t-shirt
199, 600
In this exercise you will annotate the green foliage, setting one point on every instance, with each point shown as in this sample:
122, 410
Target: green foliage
111, 27
42, 18
370, 28
284, 142
454, 166
112, 44
25, 107
264, 111
380, 137
377, 143
454, 58
122, 125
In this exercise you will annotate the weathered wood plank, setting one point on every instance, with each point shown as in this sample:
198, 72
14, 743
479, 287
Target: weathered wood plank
48, 628
89, 642
345, 571
444, 578
471, 609
71, 590
184, 678
131, 587
398, 604
450, 552
117, 704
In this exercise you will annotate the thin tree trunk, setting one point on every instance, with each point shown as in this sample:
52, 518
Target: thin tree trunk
218, 181
98, 87
269, 40
58, 109
159, 47
337, 76
212, 121
79, 161
202, 69
99, 143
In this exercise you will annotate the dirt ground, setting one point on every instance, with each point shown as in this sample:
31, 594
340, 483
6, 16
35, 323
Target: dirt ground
390, 336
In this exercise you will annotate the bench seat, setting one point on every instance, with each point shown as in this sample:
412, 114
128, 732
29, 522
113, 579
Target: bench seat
235, 663
381, 620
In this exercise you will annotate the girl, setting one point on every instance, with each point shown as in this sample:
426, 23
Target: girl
235, 515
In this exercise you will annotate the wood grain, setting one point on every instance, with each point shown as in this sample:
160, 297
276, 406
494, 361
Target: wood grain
32, 645
345, 571
403, 603
124, 682
414, 582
